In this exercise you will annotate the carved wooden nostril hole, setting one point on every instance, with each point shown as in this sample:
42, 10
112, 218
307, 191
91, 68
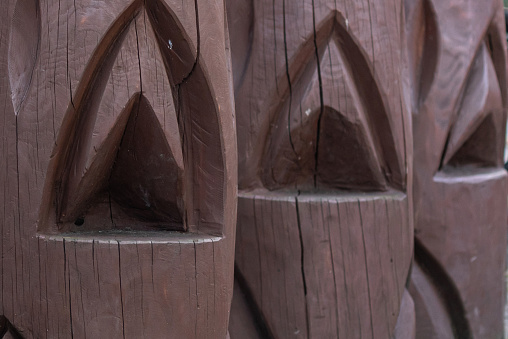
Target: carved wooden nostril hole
79, 221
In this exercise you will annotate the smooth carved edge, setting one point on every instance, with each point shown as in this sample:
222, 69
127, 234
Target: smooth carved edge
197, 119
24, 44
366, 84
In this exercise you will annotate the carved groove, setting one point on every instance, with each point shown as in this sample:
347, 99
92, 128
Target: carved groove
448, 292
134, 167
297, 159
23, 49
175, 49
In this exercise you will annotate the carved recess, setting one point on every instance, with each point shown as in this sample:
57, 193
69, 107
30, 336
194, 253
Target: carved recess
126, 171
458, 69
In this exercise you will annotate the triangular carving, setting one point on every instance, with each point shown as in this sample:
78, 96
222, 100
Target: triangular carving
158, 167
345, 157
135, 167
480, 149
145, 178
473, 138
333, 141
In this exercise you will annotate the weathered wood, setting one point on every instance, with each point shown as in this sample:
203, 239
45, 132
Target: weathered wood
457, 52
325, 230
119, 168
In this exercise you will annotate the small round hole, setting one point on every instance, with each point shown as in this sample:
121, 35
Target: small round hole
79, 221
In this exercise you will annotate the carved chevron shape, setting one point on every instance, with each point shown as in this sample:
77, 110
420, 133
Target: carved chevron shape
323, 140
126, 160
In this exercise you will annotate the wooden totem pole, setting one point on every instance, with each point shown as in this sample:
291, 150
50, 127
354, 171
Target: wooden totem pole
325, 224
118, 169
457, 54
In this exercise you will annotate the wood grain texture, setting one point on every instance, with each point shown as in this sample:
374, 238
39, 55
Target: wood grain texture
457, 52
322, 266
324, 233
111, 276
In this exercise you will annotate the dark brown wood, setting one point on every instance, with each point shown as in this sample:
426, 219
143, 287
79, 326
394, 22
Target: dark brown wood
457, 53
119, 169
325, 224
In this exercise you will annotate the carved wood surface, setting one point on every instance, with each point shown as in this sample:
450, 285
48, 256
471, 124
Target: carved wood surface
457, 53
119, 169
118, 133
324, 234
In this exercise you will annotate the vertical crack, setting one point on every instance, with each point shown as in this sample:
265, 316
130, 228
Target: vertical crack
321, 100
153, 286
366, 268
196, 283
275, 46
18, 228
344, 280
121, 291
288, 76
302, 266
67, 276
139, 57
259, 249
372, 40
80, 290
323, 216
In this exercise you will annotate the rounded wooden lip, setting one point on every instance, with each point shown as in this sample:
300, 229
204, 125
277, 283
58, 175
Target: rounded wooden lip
339, 195
470, 174
132, 237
